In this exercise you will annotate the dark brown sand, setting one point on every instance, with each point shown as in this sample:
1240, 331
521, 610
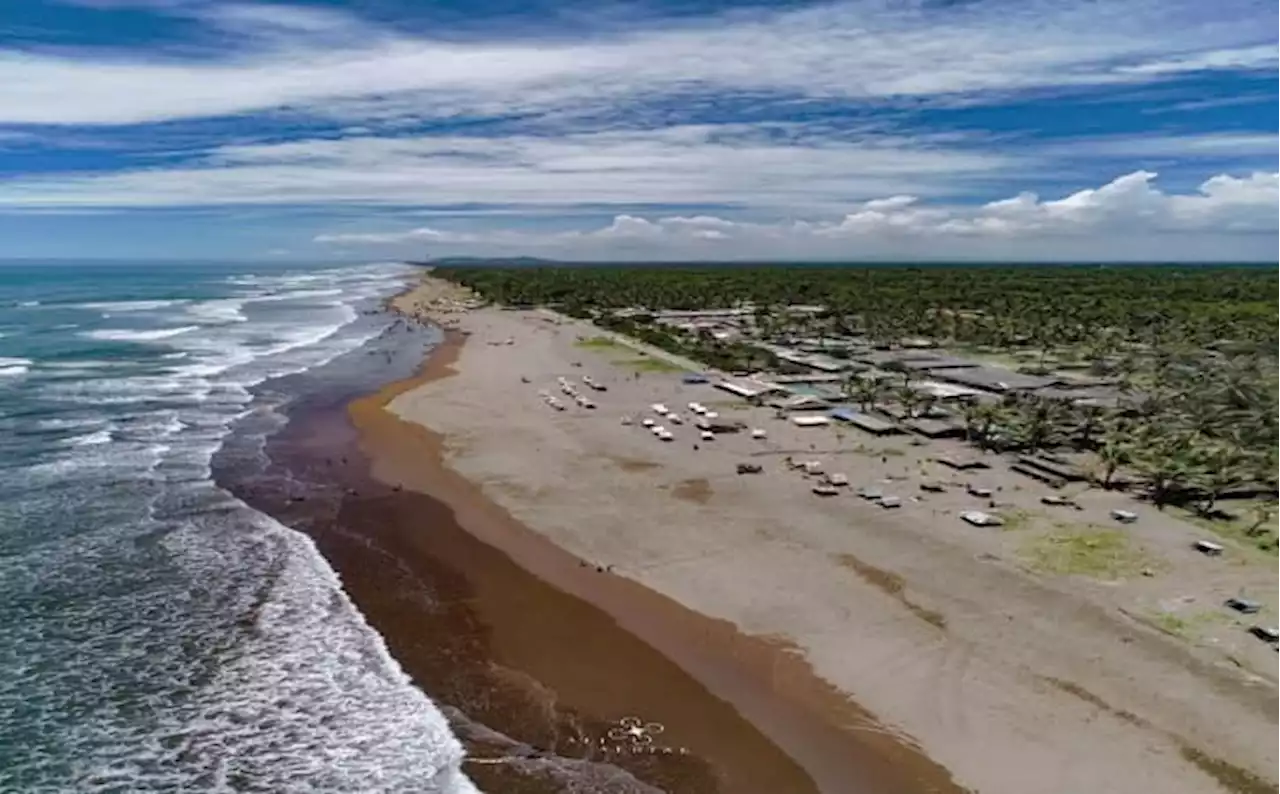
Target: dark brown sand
513, 635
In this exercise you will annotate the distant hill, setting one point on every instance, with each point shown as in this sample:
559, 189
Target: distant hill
504, 261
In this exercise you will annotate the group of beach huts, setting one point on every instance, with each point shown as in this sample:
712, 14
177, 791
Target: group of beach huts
705, 423
569, 390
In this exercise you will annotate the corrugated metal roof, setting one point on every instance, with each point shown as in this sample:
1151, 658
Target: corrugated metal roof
864, 421
993, 379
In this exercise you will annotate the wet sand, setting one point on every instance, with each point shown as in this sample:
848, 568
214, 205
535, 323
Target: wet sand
536, 655
608, 647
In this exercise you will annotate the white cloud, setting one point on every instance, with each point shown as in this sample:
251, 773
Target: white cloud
424, 234
326, 62
1257, 57
1226, 218
1206, 145
725, 164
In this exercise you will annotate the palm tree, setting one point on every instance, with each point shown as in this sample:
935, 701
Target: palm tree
1090, 423
1039, 423
980, 418
866, 392
1166, 463
908, 398
1219, 467
1116, 451
1263, 514
1263, 466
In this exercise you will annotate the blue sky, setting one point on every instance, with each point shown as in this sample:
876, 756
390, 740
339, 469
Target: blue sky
860, 129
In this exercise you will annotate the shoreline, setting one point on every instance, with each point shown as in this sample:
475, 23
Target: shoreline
535, 677
764, 680
999, 702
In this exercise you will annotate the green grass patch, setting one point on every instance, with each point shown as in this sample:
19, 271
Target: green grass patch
1170, 623
1236, 528
598, 343
649, 365
1188, 626
1096, 552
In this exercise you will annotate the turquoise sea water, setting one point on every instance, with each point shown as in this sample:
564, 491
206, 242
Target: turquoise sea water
158, 634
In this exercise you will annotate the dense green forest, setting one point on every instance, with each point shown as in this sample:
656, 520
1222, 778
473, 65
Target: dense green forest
982, 304
1193, 350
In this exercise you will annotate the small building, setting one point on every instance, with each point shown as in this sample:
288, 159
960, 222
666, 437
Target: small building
945, 391
961, 462
880, 358
812, 360
810, 421
801, 402
917, 343
1061, 469
787, 380
742, 390
993, 379
828, 364
871, 424
1096, 396
936, 362
936, 428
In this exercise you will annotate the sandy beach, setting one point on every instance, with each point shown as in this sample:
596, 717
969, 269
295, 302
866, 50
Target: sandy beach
568, 680
935, 634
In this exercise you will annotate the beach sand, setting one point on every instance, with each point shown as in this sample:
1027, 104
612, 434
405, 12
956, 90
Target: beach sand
859, 642
538, 679
602, 648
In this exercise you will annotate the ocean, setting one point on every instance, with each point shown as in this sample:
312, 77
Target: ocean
159, 634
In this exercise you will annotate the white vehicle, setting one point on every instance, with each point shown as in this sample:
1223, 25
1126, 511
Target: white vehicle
837, 479
647, 422
675, 419
657, 430
711, 414
758, 433
666, 435
708, 436
1208, 547
697, 408
981, 519
659, 409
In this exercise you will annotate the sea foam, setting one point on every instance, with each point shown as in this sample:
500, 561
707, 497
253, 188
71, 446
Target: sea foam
225, 629
130, 335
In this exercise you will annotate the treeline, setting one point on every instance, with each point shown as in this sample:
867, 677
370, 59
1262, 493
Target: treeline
996, 305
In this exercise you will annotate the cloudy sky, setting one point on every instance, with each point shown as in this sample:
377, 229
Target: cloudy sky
675, 129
